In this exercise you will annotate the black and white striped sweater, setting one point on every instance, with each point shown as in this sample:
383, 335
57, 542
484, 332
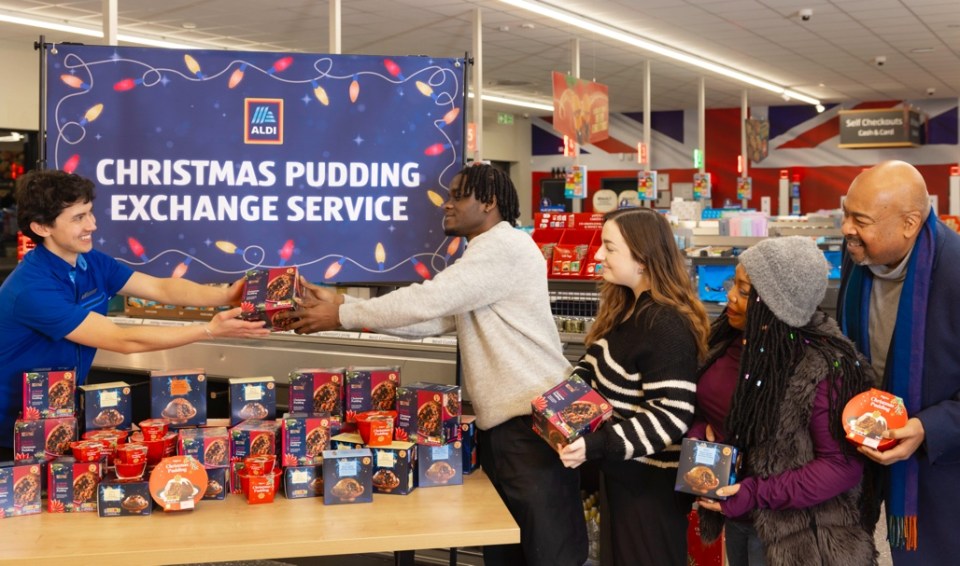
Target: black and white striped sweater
646, 367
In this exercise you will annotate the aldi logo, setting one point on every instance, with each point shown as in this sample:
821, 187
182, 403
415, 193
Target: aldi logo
263, 121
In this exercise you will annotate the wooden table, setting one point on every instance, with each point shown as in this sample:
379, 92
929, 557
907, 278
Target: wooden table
435, 517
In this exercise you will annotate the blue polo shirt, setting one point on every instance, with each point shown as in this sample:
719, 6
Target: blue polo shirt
43, 300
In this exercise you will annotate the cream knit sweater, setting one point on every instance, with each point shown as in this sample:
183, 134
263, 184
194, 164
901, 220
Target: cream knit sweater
495, 298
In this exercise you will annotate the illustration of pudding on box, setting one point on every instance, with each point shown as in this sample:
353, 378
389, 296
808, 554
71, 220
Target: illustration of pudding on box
105, 405
267, 292
48, 393
20, 487
252, 398
179, 396
316, 390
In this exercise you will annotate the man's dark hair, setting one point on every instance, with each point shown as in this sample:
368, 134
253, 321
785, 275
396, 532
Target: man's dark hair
42, 195
485, 183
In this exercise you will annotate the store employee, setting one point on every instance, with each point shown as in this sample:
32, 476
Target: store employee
54, 303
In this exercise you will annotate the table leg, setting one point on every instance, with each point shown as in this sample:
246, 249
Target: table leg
404, 558
453, 557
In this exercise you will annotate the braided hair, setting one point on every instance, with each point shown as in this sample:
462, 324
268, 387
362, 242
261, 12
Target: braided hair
772, 349
486, 183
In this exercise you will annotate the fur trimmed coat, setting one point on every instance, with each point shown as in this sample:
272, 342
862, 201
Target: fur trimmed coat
829, 533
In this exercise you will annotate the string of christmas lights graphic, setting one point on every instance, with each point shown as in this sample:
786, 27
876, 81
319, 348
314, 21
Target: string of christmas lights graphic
441, 85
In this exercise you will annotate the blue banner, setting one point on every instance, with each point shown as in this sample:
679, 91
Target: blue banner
210, 163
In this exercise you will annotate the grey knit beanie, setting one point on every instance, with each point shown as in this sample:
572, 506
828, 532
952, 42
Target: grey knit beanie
790, 275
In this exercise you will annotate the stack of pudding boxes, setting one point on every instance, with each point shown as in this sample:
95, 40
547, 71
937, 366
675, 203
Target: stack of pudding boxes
53, 415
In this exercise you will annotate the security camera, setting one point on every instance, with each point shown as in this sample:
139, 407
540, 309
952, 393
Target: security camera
806, 14
931, 91
879, 60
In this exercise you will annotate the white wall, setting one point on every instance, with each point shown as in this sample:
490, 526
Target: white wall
20, 90
511, 143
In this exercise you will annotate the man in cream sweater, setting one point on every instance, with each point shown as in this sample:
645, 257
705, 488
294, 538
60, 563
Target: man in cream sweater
495, 298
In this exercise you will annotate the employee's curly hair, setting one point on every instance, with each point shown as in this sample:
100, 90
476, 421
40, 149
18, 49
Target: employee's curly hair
486, 182
42, 195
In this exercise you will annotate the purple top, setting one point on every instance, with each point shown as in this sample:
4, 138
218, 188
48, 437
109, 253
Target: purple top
715, 393
829, 474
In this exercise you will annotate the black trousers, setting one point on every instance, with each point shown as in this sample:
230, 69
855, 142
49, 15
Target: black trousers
542, 495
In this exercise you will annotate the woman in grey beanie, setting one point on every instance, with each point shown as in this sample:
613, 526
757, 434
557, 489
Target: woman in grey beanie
787, 372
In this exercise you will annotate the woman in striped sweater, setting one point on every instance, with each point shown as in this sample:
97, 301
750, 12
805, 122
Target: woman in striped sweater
642, 355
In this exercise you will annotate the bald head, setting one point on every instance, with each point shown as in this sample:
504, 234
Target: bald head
894, 186
883, 213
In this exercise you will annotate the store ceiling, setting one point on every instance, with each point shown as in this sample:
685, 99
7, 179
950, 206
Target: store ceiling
831, 56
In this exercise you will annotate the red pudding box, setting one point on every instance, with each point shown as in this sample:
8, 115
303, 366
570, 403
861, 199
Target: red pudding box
254, 438
347, 476
569, 410
302, 481
267, 292
429, 412
252, 398
868, 414
106, 405
20, 484
370, 389
468, 435
49, 393
44, 438
178, 483
440, 465
305, 437
316, 391
180, 396
72, 485
705, 467
116, 498
210, 446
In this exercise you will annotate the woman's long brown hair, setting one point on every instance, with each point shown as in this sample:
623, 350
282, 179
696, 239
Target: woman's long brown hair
651, 242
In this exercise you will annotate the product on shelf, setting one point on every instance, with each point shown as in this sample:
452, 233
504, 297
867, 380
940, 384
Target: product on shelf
48, 393
178, 483
105, 405
429, 412
20, 483
116, 498
44, 438
440, 465
252, 398
394, 465
468, 435
316, 390
347, 476
210, 445
303, 481
179, 396
72, 485
370, 389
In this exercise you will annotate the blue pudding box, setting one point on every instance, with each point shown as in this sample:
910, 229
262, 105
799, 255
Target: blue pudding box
218, 484
468, 435
252, 398
305, 437
254, 438
20, 485
106, 405
210, 445
179, 396
347, 476
394, 466
72, 485
316, 390
429, 413
49, 393
117, 498
300, 482
705, 467
370, 389
440, 465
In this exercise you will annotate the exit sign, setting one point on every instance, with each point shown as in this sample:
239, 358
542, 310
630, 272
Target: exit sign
504, 118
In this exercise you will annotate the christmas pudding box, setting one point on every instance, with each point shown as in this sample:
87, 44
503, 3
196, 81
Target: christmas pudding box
705, 467
179, 396
429, 412
105, 405
48, 393
178, 483
20, 483
254, 438
569, 410
252, 398
72, 485
440, 465
210, 446
218, 484
267, 292
394, 465
44, 438
347, 476
302, 481
468, 435
316, 390
305, 437
868, 414
370, 389
116, 498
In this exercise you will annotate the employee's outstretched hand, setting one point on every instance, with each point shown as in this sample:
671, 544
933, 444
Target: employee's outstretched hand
574, 454
311, 292
910, 435
235, 293
225, 324
311, 316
